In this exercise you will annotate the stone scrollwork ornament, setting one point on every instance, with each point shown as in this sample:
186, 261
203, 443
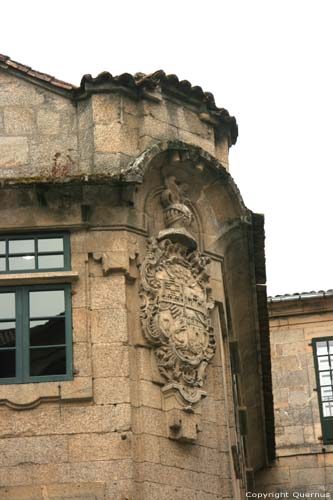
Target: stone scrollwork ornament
176, 303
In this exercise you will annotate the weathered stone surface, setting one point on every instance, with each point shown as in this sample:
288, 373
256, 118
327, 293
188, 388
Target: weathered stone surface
120, 488
19, 121
146, 448
183, 118
289, 335
69, 491
79, 388
110, 361
152, 491
80, 324
108, 292
179, 477
55, 157
144, 363
149, 395
308, 476
14, 152
82, 472
158, 129
287, 379
90, 447
149, 421
82, 359
38, 450
273, 476
114, 137
14, 92
107, 108
299, 398
59, 420
109, 326
113, 391
197, 458
197, 140
48, 122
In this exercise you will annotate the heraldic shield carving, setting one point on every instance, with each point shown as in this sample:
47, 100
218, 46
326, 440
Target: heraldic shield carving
176, 304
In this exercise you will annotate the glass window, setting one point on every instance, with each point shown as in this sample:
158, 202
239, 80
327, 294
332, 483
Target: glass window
50, 245
34, 253
7, 305
323, 357
35, 334
21, 246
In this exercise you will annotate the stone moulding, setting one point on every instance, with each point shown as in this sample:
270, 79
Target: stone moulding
175, 315
29, 396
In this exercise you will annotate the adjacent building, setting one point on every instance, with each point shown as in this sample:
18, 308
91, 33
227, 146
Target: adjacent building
301, 329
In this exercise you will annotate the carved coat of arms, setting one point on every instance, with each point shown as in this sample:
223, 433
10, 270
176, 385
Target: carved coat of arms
175, 314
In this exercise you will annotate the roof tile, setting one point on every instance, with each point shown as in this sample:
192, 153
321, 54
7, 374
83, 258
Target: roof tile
22, 68
136, 84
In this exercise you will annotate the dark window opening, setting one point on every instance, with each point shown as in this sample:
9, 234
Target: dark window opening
35, 334
323, 357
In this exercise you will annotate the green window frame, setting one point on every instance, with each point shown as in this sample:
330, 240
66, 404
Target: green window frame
34, 252
37, 359
323, 362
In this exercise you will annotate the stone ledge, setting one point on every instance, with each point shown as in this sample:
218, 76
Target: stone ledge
51, 491
38, 278
28, 396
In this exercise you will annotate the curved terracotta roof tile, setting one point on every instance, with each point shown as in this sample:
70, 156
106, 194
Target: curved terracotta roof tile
136, 84
26, 70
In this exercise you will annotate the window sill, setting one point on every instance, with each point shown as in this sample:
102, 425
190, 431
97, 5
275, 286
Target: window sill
27, 396
38, 278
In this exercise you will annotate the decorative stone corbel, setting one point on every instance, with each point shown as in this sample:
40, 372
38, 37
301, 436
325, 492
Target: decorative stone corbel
183, 426
112, 261
118, 260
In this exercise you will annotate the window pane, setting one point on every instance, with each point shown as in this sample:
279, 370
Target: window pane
321, 348
21, 246
50, 261
48, 361
2, 247
47, 332
51, 245
7, 334
323, 363
7, 305
2, 264
325, 378
7, 364
47, 303
22, 263
327, 393
330, 343
328, 409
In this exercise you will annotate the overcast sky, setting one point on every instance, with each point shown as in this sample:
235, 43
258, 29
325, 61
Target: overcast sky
269, 62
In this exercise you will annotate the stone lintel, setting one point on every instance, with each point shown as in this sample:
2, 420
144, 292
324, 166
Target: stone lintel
38, 278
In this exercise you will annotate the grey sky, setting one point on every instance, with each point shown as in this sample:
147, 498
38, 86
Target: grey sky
267, 61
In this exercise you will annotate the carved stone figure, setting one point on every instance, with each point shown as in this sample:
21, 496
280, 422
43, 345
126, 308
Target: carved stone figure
173, 199
175, 314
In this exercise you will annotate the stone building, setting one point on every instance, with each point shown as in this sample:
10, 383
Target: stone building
301, 327
134, 347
